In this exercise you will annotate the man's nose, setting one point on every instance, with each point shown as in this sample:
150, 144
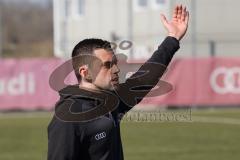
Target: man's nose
115, 69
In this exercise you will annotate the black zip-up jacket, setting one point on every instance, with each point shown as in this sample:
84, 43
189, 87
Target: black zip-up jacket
98, 138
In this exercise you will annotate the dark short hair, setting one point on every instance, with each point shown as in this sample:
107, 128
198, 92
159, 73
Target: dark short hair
86, 47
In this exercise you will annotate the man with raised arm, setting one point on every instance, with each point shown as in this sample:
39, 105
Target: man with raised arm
86, 124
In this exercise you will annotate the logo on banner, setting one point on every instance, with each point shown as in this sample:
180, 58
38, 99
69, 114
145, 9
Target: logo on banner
21, 84
226, 80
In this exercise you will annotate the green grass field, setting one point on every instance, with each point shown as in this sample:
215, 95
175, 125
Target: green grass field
210, 135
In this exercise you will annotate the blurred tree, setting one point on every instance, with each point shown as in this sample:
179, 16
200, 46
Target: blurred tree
27, 28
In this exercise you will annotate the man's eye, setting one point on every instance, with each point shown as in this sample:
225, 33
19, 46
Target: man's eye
108, 64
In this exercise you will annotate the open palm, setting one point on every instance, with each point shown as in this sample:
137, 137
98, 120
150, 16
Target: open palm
177, 27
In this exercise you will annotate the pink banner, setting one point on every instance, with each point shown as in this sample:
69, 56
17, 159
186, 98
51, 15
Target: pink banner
209, 81
24, 83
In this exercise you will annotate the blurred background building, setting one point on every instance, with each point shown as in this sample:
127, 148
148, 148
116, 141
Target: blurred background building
212, 29
45, 28
114, 20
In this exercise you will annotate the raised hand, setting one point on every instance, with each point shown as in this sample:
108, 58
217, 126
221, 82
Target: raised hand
177, 27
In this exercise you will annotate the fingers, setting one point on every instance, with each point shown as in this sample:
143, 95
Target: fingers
179, 12
180, 18
186, 18
174, 16
184, 14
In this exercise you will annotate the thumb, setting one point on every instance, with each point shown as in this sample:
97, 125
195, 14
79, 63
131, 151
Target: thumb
164, 20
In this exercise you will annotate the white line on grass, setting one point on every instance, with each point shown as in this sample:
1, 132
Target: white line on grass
26, 115
202, 119
220, 120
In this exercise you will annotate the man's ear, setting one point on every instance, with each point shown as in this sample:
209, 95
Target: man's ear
85, 73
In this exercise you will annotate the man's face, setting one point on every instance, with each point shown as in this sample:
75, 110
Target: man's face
107, 77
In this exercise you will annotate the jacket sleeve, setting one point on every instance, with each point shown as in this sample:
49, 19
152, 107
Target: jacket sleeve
141, 82
62, 141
